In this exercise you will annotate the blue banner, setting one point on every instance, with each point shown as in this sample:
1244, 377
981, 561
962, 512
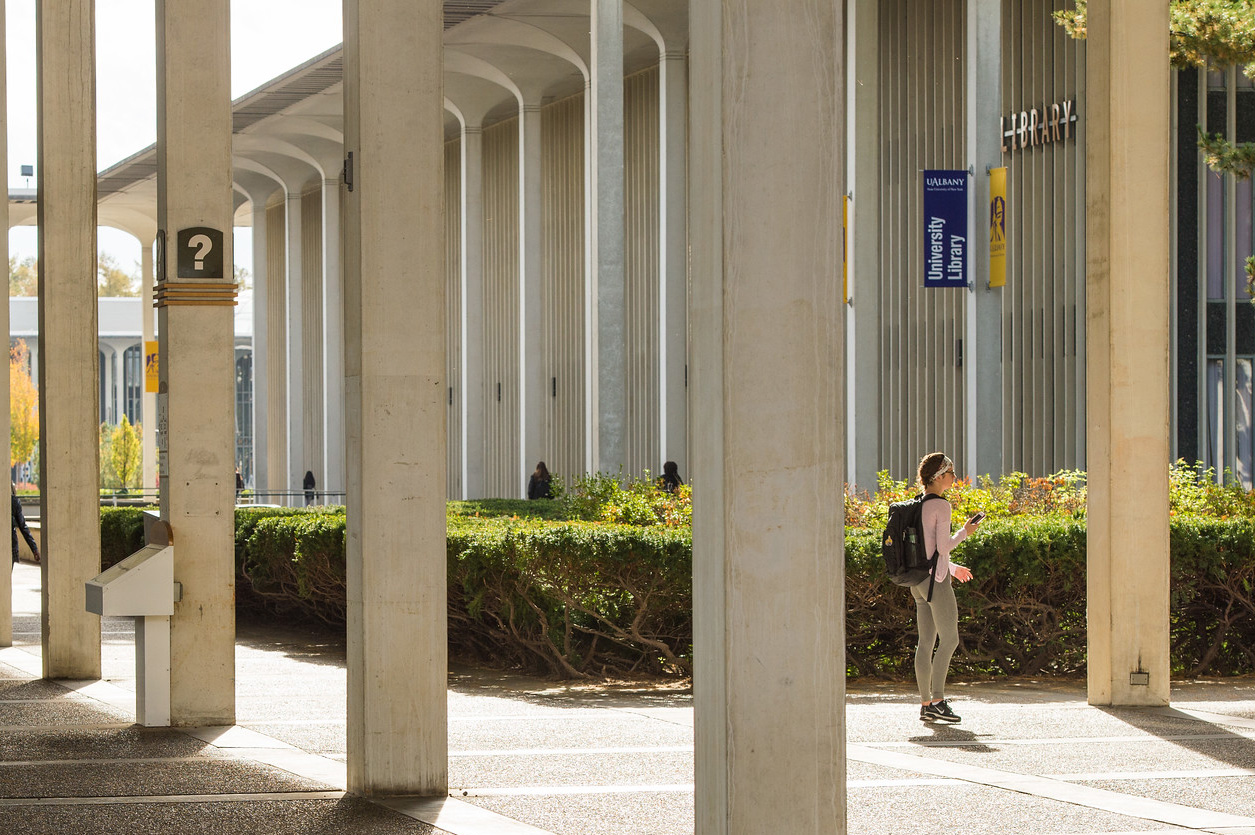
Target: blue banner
945, 228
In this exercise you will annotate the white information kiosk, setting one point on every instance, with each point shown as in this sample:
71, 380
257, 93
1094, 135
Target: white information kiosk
142, 586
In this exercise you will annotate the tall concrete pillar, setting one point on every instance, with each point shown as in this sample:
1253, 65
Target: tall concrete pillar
862, 338
196, 302
298, 459
6, 578
766, 371
149, 399
69, 420
608, 300
396, 412
333, 340
474, 439
673, 266
982, 372
261, 345
1127, 327
532, 382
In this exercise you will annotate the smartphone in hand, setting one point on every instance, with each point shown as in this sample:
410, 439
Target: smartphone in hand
978, 518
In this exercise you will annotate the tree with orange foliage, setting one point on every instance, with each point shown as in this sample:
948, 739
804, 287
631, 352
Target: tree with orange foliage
23, 406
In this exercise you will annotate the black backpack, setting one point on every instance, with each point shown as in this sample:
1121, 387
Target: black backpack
902, 546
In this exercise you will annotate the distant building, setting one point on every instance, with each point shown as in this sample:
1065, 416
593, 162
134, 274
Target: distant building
122, 362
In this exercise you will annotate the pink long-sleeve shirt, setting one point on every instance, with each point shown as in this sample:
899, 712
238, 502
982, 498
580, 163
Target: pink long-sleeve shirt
937, 536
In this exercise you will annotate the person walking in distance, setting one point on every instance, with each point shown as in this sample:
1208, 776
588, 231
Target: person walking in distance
540, 486
19, 524
938, 619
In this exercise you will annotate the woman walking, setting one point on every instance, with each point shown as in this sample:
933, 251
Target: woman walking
938, 618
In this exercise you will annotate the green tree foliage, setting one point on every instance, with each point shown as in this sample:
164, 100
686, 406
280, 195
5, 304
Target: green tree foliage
1202, 33
23, 276
112, 280
125, 454
1209, 34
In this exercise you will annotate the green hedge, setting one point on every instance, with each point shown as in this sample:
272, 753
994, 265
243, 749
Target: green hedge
575, 598
572, 598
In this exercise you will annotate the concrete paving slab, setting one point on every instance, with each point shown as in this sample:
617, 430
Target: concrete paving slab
129, 777
556, 731
568, 769
980, 810
70, 743
1080, 756
601, 814
291, 817
1217, 794
534, 756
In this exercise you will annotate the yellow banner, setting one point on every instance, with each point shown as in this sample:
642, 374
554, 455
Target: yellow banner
997, 227
150, 367
845, 249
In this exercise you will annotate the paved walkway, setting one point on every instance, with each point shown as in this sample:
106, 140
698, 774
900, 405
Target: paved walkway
529, 757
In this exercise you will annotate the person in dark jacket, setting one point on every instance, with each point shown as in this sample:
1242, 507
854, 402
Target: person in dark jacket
308, 485
540, 486
670, 476
19, 524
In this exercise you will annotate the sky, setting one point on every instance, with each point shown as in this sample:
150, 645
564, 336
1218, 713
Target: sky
268, 37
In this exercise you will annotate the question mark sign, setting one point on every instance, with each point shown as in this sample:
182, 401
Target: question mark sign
203, 246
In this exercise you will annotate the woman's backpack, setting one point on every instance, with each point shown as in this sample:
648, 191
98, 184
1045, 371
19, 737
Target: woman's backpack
902, 546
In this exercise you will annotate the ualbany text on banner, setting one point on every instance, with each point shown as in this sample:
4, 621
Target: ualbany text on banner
945, 228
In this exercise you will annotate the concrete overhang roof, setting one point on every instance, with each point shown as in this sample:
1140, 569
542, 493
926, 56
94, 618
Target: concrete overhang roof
288, 133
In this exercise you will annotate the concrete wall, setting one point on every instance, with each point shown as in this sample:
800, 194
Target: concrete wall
922, 125
453, 310
562, 172
276, 346
501, 303
1044, 300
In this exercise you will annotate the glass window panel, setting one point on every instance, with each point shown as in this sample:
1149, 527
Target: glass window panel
1215, 424
1245, 461
1215, 236
133, 384
244, 414
1243, 243
103, 414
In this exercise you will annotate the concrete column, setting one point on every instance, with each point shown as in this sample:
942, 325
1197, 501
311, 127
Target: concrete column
767, 351
472, 383
982, 371
261, 344
196, 335
590, 291
396, 412
6, 577
333, 340
533, 388
69, 375
298, 459
149, 400
608, 324
673, 269
1126, 276
862, 361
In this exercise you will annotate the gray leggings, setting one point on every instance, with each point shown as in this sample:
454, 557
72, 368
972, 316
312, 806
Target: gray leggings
940, 618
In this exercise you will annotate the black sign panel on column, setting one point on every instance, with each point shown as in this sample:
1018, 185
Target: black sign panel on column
199, 253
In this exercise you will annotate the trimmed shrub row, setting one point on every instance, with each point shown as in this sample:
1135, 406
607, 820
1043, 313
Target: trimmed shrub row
576, 598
